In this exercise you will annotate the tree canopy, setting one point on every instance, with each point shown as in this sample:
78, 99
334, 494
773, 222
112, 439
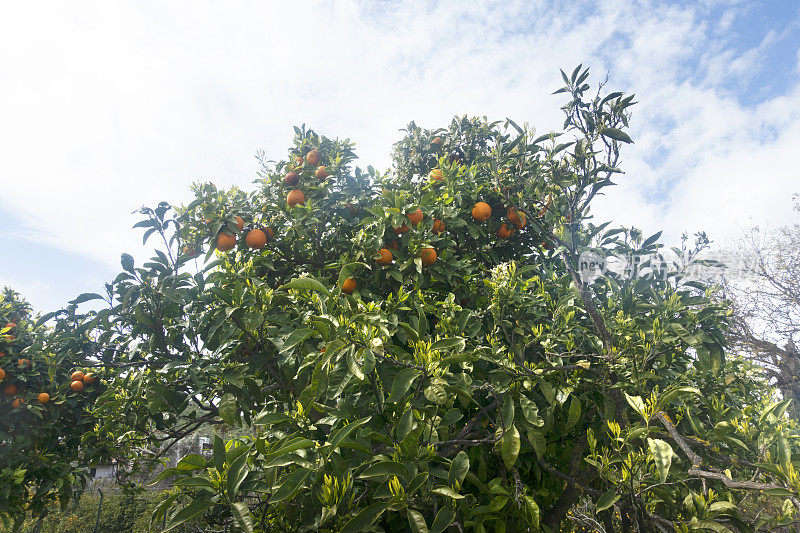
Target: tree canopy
418, 349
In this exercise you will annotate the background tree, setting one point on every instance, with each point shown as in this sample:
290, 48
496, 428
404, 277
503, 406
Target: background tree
763, 285
418, 349
45, 412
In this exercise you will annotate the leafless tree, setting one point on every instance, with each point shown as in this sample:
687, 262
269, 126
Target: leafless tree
762, 280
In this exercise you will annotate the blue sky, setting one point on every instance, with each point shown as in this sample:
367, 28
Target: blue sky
107, 106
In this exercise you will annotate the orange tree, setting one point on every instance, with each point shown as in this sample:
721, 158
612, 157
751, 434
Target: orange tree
418, 349
44, 414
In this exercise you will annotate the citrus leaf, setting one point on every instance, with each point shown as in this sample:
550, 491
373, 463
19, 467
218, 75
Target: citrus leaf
365, 518
192, 510
509, 448
402, 382
290, 485
617, 135
308, 284
458, 469
417, 522
662, 455
243, 517
443, 519
607, 500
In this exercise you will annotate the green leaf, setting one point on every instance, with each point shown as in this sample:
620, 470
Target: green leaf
365, 518
401, 384
662, 455
219, 454
295, 338
290, 485
191, 462
779, 492
435, 393
342, 433
385, 468
85, 297
784, 453
197, 481
637, 404
241, 513
677, 392
443, 519
447, 491
266, 418
509, 448
607, 500
617, 135
722, 507
538, 442
574, 412
307, 284
508, 414
417, 521
497, 503
406, 424
449, 344
236, 474
709, 525
532, 511
458, 469
227, 408
127, 263
292, 446
192, 510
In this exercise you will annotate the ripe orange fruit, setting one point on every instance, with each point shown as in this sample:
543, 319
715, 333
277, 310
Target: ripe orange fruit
428, 256
385, 258
416, 217
436, 142
348, 286
240, 223
400, 230
10, 325
393, 245
436, 174
546, 205
291, 179
516, 217
43, 397
481, 212
226, 241
2, 374
17, 403
312, 158
321, 173
2, 354
256, 239
24, 363
438, 226
503, 231
77, 376
295, 197
77, 386
89, 378
11, 389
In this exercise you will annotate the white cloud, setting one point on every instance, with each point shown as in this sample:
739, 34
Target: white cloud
108, 106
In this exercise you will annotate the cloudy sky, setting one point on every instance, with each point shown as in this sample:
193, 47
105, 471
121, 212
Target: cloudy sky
106, 106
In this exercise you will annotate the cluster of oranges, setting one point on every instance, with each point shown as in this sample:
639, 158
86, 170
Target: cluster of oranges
257, 238
79, 379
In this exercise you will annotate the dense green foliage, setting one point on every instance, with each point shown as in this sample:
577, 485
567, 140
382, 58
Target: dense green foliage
491, 389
